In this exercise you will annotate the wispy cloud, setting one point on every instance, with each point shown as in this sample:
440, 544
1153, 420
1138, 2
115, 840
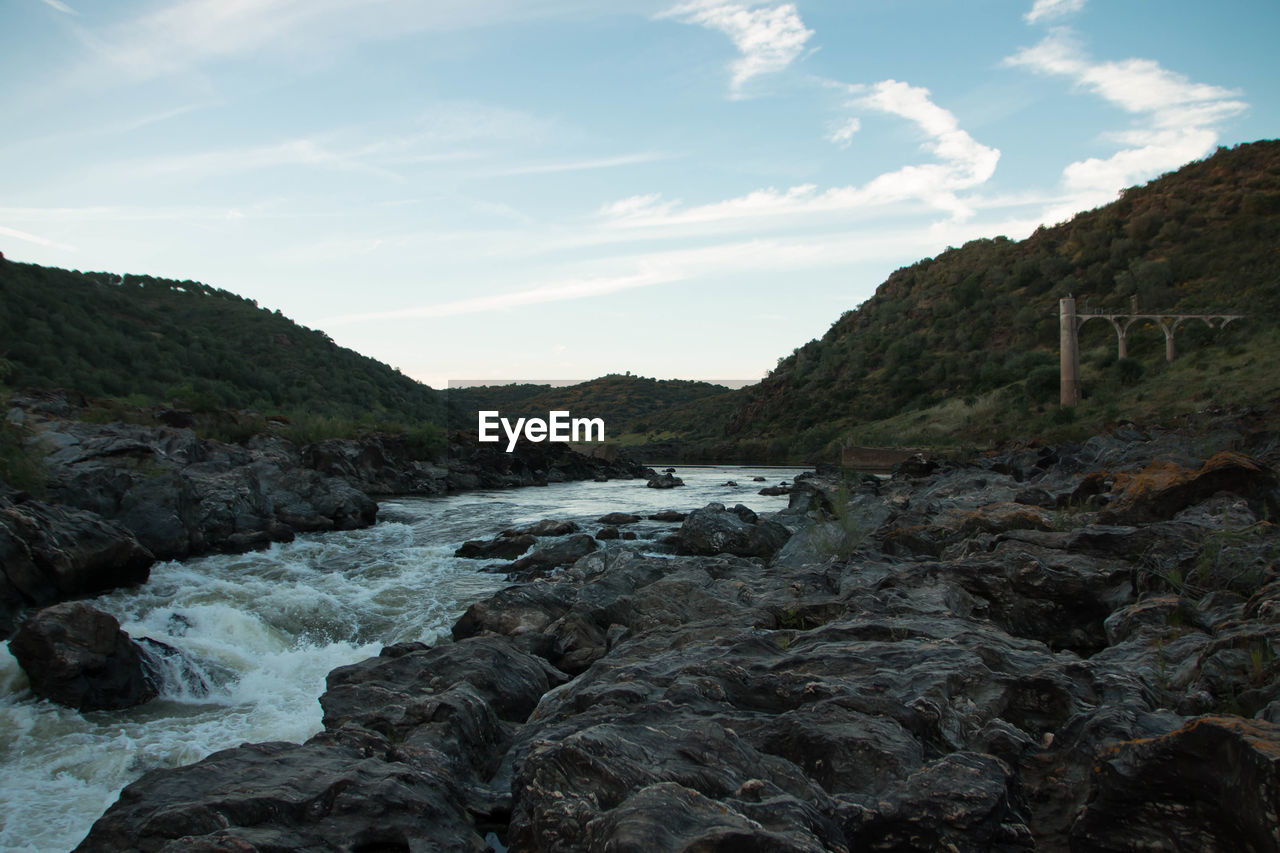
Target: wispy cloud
963, 163
1052, 10
842, 134
60, 6
35, 239
1179, 118
769, 38
582, 165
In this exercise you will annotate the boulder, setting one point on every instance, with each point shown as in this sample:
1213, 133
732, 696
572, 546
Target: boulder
503, 547
666, 481
1164, 488
616, 519
715, 530
667, 515
546, 527
562, 552
51, 553
77, 656
1213, 784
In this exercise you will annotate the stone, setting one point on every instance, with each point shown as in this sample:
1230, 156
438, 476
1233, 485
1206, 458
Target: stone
77, 656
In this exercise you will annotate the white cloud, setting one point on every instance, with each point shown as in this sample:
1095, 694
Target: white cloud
842, 134
963, 163
35, 238
60, 6
769, 38
1051, 9
1179, 117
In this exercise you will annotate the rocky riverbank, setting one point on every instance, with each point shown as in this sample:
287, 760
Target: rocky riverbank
1053, 648
120, 496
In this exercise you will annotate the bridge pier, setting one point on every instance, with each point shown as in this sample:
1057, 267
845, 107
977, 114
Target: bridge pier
1069, 352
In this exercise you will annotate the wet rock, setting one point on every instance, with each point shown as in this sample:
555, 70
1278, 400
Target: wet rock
616, 519
77, 656
562, 552
773, 491
606, 533
51, 553
348, 791
715, 530
667, 515
665, 481
503, 547
546, 527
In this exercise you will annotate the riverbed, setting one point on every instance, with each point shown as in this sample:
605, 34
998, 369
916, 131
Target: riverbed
266, 627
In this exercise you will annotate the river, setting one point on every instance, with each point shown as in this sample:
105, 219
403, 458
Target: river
268, 626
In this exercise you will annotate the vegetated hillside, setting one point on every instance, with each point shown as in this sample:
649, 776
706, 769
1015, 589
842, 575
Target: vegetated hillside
978, 318
628, 404
156, 340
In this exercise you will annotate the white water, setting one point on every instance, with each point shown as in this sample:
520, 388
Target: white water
267, 627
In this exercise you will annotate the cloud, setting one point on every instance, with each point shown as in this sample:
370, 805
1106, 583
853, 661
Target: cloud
842, 134
769, 38
582, 165
60, 6
1051, 9
963, 163
1178, 117
36, 239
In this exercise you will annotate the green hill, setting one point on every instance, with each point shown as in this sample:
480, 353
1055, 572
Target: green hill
151, 340
964, 347
632, 406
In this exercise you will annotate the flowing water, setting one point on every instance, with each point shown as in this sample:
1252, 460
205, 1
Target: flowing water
265, 628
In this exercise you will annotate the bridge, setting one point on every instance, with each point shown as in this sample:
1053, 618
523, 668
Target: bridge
1070, 321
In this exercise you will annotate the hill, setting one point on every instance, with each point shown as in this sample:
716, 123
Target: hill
633, 407
153, 340
963, 347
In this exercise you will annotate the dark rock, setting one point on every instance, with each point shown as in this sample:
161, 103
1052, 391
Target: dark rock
715, 530
630, 535
77, 656
758, 479
616, 519
773, 491
562, 552
334, 792
1213, 784
731, 484
666, 481
503, 547
50, 553
1164, 488
605, 533
667, 515
546, 527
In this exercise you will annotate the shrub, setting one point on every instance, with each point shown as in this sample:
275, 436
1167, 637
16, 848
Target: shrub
1129, 371
1042, 384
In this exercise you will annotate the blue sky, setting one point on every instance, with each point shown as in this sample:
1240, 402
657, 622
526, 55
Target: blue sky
472, 189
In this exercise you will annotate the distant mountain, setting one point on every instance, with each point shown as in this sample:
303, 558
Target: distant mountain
978, 318
155, 340
630, 405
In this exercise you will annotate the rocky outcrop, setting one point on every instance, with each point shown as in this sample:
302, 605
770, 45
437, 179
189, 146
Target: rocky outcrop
960, 657
665, 481
715, 530
77, 656
181, 495
51, 553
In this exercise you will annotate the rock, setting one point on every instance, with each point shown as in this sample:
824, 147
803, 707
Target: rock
758, 479
666, 481
50, 553
605, 533
1213, 784
335, 792
562, 552
77, 656
546, 527
616, 519
714, 530
773, 491
1164, 488
730, 484
667, 515
503, 547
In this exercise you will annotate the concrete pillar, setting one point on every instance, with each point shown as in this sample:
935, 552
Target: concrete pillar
1069, 352
1122, 335
1170, 326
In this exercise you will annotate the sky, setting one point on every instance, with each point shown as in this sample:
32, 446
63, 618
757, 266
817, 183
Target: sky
507, 189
